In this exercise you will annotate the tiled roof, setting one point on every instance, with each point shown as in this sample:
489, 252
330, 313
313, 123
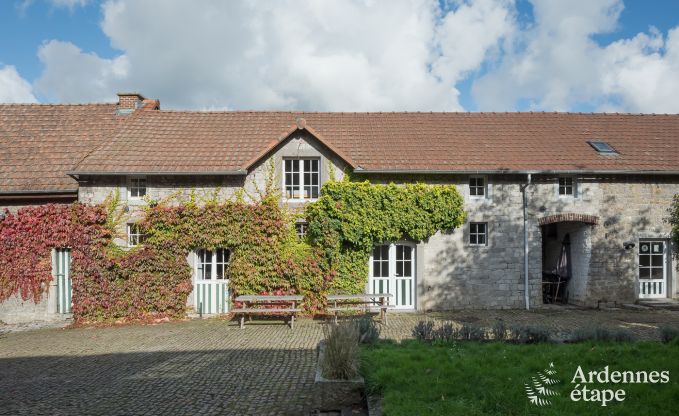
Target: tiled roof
185, 142
40, 143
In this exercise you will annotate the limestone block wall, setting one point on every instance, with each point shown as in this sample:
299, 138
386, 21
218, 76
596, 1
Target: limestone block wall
17, 311
629, 208
453, 274
456, 275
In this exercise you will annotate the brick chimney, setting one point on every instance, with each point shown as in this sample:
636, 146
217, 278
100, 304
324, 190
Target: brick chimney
129, 102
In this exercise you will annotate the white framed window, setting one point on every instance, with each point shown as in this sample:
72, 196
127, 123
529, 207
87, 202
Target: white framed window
212, 264
566, 186
135, 235
380, 259
477, 187
478, 234
301, 228
301, 178
136, 187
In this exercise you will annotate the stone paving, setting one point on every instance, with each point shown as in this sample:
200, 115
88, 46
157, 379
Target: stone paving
210, 366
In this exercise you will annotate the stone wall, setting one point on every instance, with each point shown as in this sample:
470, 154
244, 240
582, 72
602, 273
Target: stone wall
629, 208
451, 273
16, 310
457, 275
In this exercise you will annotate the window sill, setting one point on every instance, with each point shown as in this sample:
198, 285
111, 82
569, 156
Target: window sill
300, 201
135, 201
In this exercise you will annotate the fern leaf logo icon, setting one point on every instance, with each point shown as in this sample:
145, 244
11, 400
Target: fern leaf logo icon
537, 389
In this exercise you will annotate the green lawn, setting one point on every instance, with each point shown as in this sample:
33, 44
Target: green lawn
468, 378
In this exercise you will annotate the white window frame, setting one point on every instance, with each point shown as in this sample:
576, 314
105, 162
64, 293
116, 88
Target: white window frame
199, 270
392, 278
131, 185
301, 228
484, 187
477, 234
134, 238
301, 178
573, 186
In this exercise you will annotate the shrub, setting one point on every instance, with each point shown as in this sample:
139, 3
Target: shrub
472, 332
499, 331
602, 334
446, 332
424, 331
368, 330
528, 334
668, 334
341, 358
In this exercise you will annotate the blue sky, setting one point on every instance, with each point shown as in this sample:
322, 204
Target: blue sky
474, 55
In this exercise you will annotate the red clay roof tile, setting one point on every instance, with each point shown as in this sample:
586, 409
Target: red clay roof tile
180, 141
40, 143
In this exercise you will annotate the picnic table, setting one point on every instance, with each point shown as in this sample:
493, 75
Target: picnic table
268, 304
361, 302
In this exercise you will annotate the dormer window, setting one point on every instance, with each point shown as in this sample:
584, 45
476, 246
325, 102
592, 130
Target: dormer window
301, 178
136, 187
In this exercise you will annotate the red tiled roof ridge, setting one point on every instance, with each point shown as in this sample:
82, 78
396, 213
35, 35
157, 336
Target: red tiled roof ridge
270, 111
55, 104
593, 113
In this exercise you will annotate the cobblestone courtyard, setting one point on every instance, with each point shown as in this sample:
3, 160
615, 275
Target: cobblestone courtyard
211, 366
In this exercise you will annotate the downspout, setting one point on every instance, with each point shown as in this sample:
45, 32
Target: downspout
525, 242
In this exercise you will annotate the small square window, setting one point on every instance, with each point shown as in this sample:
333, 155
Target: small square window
136, 187
135, 235
477, 186
566, 186
301, 228
478, 234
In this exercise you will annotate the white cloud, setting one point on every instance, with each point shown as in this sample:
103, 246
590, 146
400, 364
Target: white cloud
70, 4
357, 55
646, 72
321, 55
556, 65
13, 88
71, 75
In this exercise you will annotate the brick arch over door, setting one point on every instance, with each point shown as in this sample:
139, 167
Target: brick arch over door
569, 216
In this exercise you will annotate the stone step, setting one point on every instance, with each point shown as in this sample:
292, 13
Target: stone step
668, 304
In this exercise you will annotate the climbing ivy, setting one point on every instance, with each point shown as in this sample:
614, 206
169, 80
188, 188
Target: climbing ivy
673, 219
154, 279
350, 218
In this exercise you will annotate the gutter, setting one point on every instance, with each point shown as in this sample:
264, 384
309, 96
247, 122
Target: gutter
519, 172
76, 174
525, 241
38, 196
44, 192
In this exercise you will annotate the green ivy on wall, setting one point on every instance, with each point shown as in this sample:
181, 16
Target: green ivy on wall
350, 218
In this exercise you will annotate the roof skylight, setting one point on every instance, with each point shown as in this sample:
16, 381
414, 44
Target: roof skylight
603, 147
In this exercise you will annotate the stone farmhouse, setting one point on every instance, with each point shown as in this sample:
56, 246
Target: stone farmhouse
582, 197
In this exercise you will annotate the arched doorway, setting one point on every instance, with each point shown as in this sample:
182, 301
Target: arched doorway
566, 253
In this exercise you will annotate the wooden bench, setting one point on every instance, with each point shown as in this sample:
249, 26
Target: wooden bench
360, 302
257, 304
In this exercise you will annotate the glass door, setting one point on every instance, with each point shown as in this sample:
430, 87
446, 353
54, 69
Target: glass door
392, 271
652, 269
